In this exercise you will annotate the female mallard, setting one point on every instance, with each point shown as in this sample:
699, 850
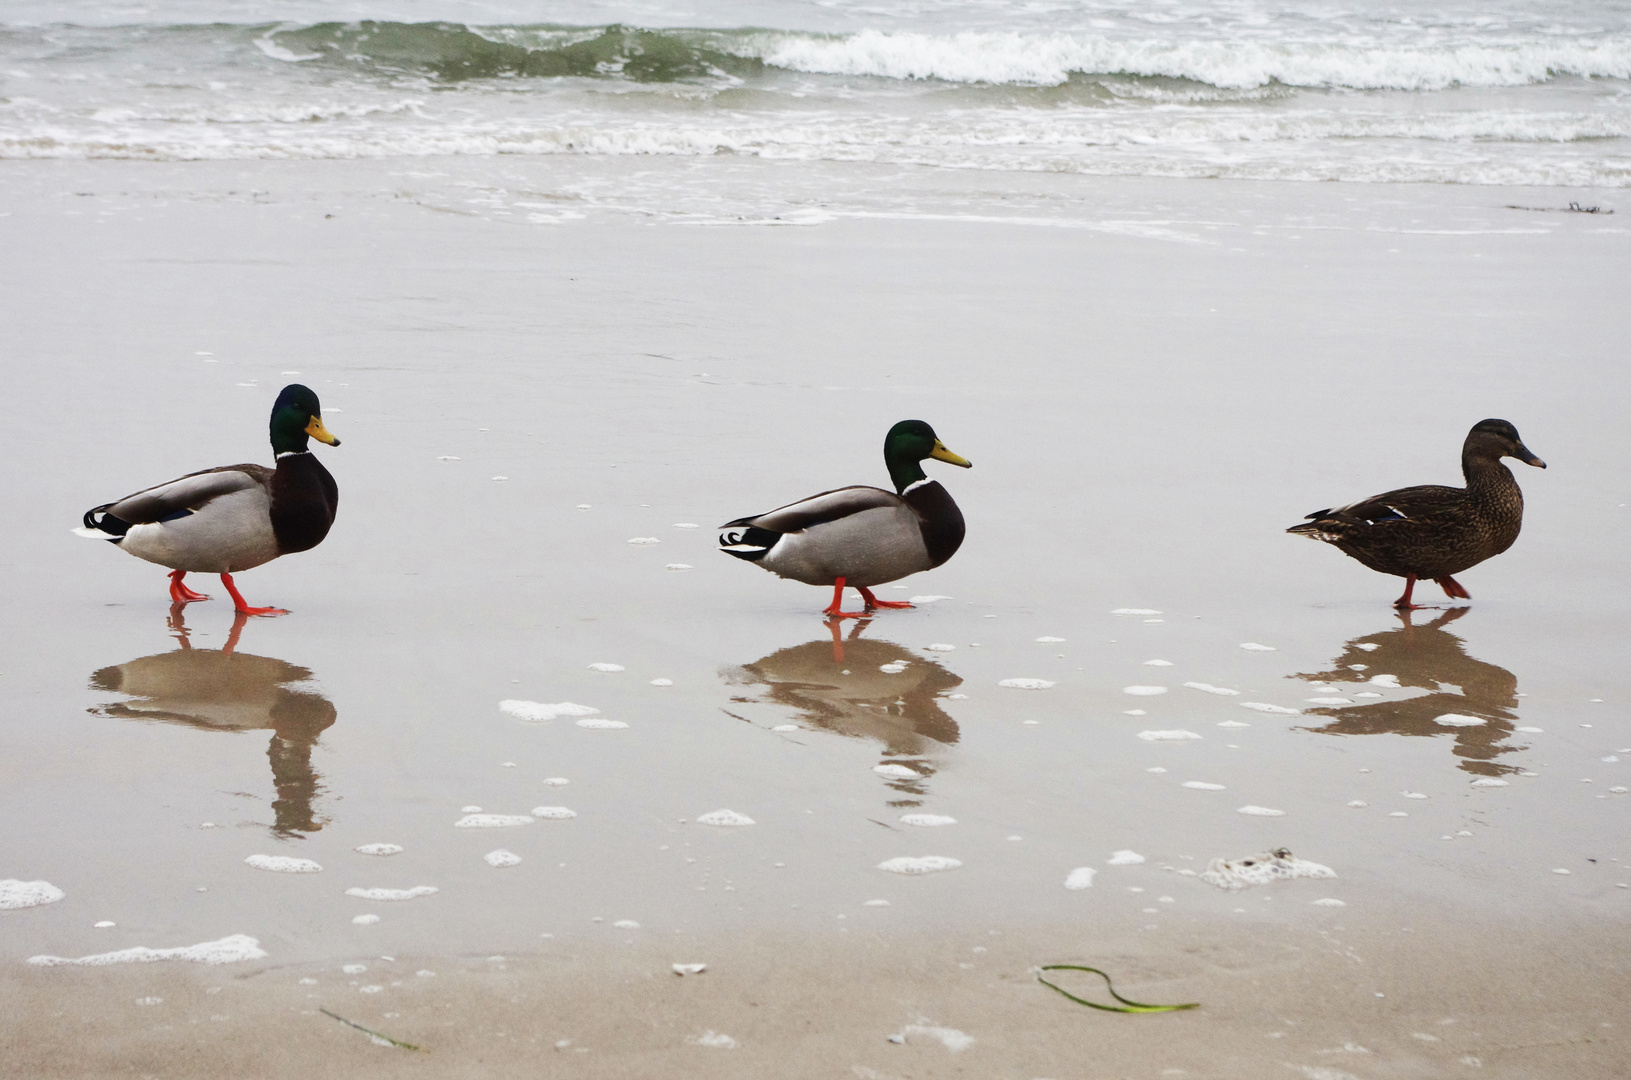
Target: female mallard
1432, 531
234, 517
861, 536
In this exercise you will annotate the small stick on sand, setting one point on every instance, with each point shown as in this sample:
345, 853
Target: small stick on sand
376, 1036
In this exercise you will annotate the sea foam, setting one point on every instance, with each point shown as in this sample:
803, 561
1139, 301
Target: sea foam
228, 950
283, 864
16, 894
540, 711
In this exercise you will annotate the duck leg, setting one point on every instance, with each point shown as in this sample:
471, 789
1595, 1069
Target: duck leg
179, 593
836, 608
872, 602
1452, 588
243, 606
1403, 603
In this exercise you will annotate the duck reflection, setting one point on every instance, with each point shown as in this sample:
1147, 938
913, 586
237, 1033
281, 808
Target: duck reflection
865, 689
1427, 657
225, 690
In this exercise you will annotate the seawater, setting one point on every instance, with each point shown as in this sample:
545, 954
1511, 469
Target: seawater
1441, 91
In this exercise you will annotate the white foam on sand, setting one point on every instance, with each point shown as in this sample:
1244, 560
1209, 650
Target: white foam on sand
679, 566
1202, 785
606, 667
491, 821
1389, 681
1457, 720
1329, 902
1134, 712
896, 772
1330, 701
1155, 769
553, 813
1368, 646
362, 920
686, 525
1158, 663
1490, 781
16, 894
724, 819
1263, 706
1046, 640
716, 1039
927, 821
283, 864
952, 1039
596, 723
1359, 804
1124, 857
644, 540
1026, 684
894, 667
1531, 730
1280, 865
556, 781
227, 950
1259, 811
626, 924
785, 727
1135, 611
940, 646
688, 969
1252, 646
539, 710
876, 903
1143, 691
501, 858
392, 894
1210, 689
1232, 724
1176, 735
919, 864
926, 599
1080, 878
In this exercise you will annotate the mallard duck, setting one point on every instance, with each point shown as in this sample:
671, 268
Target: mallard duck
1432, 531
233, 517
861, 536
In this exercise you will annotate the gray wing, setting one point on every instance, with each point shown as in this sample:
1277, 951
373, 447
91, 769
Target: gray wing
184, 495
818, 509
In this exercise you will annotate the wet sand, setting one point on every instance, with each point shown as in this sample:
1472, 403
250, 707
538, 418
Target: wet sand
1149, 397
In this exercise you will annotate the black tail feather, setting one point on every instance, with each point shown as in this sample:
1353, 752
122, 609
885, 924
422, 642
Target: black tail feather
109, 524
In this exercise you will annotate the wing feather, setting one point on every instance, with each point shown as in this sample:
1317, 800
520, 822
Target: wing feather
184, 494
819, 509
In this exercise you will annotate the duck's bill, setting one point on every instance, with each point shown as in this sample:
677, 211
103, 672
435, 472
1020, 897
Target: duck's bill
317, 431
1523, 454
942, 454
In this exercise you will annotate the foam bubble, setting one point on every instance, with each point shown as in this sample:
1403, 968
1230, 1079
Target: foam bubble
283, 864
952, 1039
689, 969
1143, 691
105, 924
1531, 730
1158, 663
470, 810
876, 903
392, 894
1330, 701
1202, 785
896, 772
1135, 712
596, 723
940, 646
361, 920
679, 566
1155, 769
1027, 684
927, 821
228, 950
1329, 902
1233, 875
1125, 857
1049, 640
626, 924
556, 781
1560, 870
1232, 724
1252, 646
686, 525
491, 821
1210, 689
538, 710
1080, 878
1389, 681
724, 819
642, 540
1398, 813
606, 667
1358, 804
500, 479
16, 894
1135, 611
662, 682
1176, 735
920, 864
1261, 706
1413, 795
1259, 811
930, 599
893, 668
501, 858
553, 813
1490, 781
1457, 720
354, 969
785, 727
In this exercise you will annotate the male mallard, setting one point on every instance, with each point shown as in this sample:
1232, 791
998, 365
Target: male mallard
861, 536
233, 517
1432, 531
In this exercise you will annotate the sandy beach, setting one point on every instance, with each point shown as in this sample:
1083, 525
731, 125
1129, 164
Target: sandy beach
1153, 379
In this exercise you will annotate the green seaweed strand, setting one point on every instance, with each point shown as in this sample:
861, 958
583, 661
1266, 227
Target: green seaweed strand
383, 1038
1126, 1006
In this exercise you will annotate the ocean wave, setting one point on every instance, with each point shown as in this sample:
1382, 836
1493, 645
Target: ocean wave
454, 51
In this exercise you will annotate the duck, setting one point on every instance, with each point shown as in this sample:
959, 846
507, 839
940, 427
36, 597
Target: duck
1432, 531
861, 536
232, 518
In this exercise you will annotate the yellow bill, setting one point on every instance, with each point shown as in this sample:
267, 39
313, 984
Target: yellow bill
317, 431
942, 454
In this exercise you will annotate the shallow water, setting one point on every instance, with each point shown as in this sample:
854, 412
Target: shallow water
1145, 416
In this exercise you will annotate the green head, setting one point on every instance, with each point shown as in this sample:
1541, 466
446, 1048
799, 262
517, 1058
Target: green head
905, 447
295, 417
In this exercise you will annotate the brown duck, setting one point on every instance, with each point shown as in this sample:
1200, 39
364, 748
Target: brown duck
1433, 531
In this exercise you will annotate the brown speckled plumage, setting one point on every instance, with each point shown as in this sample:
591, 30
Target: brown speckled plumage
1433, 531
